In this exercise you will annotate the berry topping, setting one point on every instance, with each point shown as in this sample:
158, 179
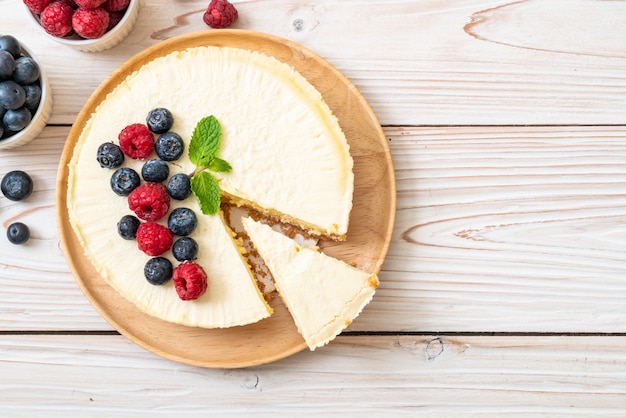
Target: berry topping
158, 271
149, 201
90, 23
12, 95
155, 171
179, 186
127, 227
184, 249
159, 120
136, 141
18, 233
56, 19
182, 221
11, 44
16, 185
115, 5
16, 120
153, 239
190, 280
124, 180
26, 70
89, 4
110, 155
220, 14
169, 146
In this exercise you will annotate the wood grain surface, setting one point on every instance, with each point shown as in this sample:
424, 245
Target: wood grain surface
458, 62
506, 122
370, 376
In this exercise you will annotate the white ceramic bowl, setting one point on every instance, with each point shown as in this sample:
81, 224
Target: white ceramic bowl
107, 41
41, 116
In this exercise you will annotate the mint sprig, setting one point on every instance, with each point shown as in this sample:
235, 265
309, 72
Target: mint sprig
205, 141
219, 166
203, 148
207, 190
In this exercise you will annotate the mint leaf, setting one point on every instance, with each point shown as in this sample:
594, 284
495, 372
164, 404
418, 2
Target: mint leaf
205, 141
219, 166
206, 189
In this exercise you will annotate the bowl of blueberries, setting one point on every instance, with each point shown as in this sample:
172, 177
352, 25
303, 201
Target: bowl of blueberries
25, 95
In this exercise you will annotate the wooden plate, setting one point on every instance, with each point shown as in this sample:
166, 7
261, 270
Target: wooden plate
369, 234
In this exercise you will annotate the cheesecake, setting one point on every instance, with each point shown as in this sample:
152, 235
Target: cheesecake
290, 163
323, 294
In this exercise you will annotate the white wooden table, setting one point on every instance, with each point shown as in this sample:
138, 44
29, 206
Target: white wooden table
504, 290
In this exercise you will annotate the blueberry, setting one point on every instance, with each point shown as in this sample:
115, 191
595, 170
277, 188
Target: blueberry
159, 120
7, 65
26, 70
155, 170
110, 155
179, 186
124, 180
127, 227
33, 97
10, 44
158, 271
18, 233
185, 248
169, 146
16, 120
12, 95
182, 221
16, 185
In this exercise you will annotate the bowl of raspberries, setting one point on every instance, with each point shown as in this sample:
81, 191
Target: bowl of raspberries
25, 95
86, 25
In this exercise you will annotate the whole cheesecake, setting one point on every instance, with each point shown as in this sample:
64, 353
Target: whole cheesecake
290, 162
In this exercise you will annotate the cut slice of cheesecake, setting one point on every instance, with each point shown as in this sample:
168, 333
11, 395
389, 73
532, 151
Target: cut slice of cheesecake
323, 294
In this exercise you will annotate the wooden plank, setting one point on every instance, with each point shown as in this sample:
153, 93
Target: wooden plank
497, 229
378, 376
506, 229
38, 291
461, 62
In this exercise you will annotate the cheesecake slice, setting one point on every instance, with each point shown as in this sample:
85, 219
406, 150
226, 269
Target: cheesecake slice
323, 294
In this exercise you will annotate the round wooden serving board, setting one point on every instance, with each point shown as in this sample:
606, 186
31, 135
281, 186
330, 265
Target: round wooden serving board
371, 220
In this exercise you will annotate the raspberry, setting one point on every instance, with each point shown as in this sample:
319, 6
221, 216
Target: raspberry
114, 19
190, 280
115, 5
90, 23
56, 19
89, 4
220, 14
136, 141
149, 201
153, 239
37, 6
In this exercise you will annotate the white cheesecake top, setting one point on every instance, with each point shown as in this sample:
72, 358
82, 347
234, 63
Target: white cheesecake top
289, 156
323, 294
288, 152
